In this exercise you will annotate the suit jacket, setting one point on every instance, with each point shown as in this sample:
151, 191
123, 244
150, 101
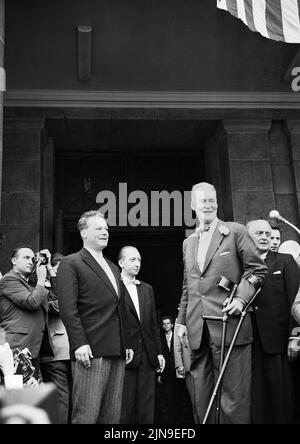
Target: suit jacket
23, 313
169, 370
145, 333
231, 254
272, 308
91, 310
182, 355
57, 330
296, 311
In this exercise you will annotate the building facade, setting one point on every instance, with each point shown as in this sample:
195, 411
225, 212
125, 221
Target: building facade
154, 95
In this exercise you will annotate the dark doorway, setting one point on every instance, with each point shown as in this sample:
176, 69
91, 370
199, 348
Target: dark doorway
127, 156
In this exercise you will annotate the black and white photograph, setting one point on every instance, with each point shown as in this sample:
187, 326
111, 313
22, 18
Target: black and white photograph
150, 214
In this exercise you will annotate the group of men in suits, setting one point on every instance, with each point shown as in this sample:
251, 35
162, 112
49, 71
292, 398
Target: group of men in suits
113, 330
257, 386
114, 335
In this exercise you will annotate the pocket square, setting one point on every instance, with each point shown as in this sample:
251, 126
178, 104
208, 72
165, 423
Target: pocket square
277, 272
225, 253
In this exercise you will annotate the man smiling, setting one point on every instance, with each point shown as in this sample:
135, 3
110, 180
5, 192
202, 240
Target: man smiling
92, 308
218, 249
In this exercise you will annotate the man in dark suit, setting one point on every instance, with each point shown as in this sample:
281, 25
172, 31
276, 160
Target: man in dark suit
172, 410
93, 311
273, 386
218, 249
139, 385
23, 308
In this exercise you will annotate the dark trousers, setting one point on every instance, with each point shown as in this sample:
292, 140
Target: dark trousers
273, 391
236, 387
58, 372
139, 394
172, 406
36, 364
97, 391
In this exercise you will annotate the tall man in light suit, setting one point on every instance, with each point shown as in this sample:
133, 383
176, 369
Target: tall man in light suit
218, 249
93, 311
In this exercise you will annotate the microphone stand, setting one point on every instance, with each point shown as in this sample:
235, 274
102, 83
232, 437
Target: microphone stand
279, 217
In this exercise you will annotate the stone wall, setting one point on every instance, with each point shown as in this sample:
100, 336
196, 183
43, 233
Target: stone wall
21, 191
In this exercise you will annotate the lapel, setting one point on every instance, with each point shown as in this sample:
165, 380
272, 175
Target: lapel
93, 264
216, 241
129, 302
117, 277
193, 248
270, 260
22, 280
141, 301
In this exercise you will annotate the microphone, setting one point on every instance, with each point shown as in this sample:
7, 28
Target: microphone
274, 214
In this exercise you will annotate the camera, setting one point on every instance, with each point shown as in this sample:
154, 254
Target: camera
23, 365
42, 258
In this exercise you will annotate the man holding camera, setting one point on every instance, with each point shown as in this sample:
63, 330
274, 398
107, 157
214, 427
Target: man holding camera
23, 307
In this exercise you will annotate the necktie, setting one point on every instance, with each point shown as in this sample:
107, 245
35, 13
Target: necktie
204, 228
203, 245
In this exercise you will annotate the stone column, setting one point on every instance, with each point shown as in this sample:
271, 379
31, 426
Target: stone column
247, 174
21, 191
284, 182
294, 130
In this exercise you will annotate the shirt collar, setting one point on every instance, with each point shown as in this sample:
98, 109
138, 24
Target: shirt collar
212, 226
264, 256
23, 277
94, 253
128, 281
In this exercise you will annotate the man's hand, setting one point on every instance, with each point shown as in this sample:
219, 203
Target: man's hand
293, 349
84, 355
181, 370
235, 308
162, 363
6, 360
48, 255
31, 383
41, 274
129, 355
181, 331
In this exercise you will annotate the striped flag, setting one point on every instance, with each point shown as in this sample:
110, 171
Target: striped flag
274, 19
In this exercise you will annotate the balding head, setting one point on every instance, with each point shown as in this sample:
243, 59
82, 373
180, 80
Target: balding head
260, 232
130, 261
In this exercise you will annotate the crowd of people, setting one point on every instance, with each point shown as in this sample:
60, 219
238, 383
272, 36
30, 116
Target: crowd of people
92, 329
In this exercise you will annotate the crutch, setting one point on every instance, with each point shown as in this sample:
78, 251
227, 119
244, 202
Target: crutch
221, 374
228, 286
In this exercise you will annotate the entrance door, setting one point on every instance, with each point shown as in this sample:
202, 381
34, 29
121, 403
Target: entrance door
80, 179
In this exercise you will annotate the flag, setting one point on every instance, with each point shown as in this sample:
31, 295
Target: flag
274, 19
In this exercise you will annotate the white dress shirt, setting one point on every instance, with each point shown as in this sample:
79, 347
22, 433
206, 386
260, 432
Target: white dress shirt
105, 267
264, 256
169, 336
130, 284
204, 242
